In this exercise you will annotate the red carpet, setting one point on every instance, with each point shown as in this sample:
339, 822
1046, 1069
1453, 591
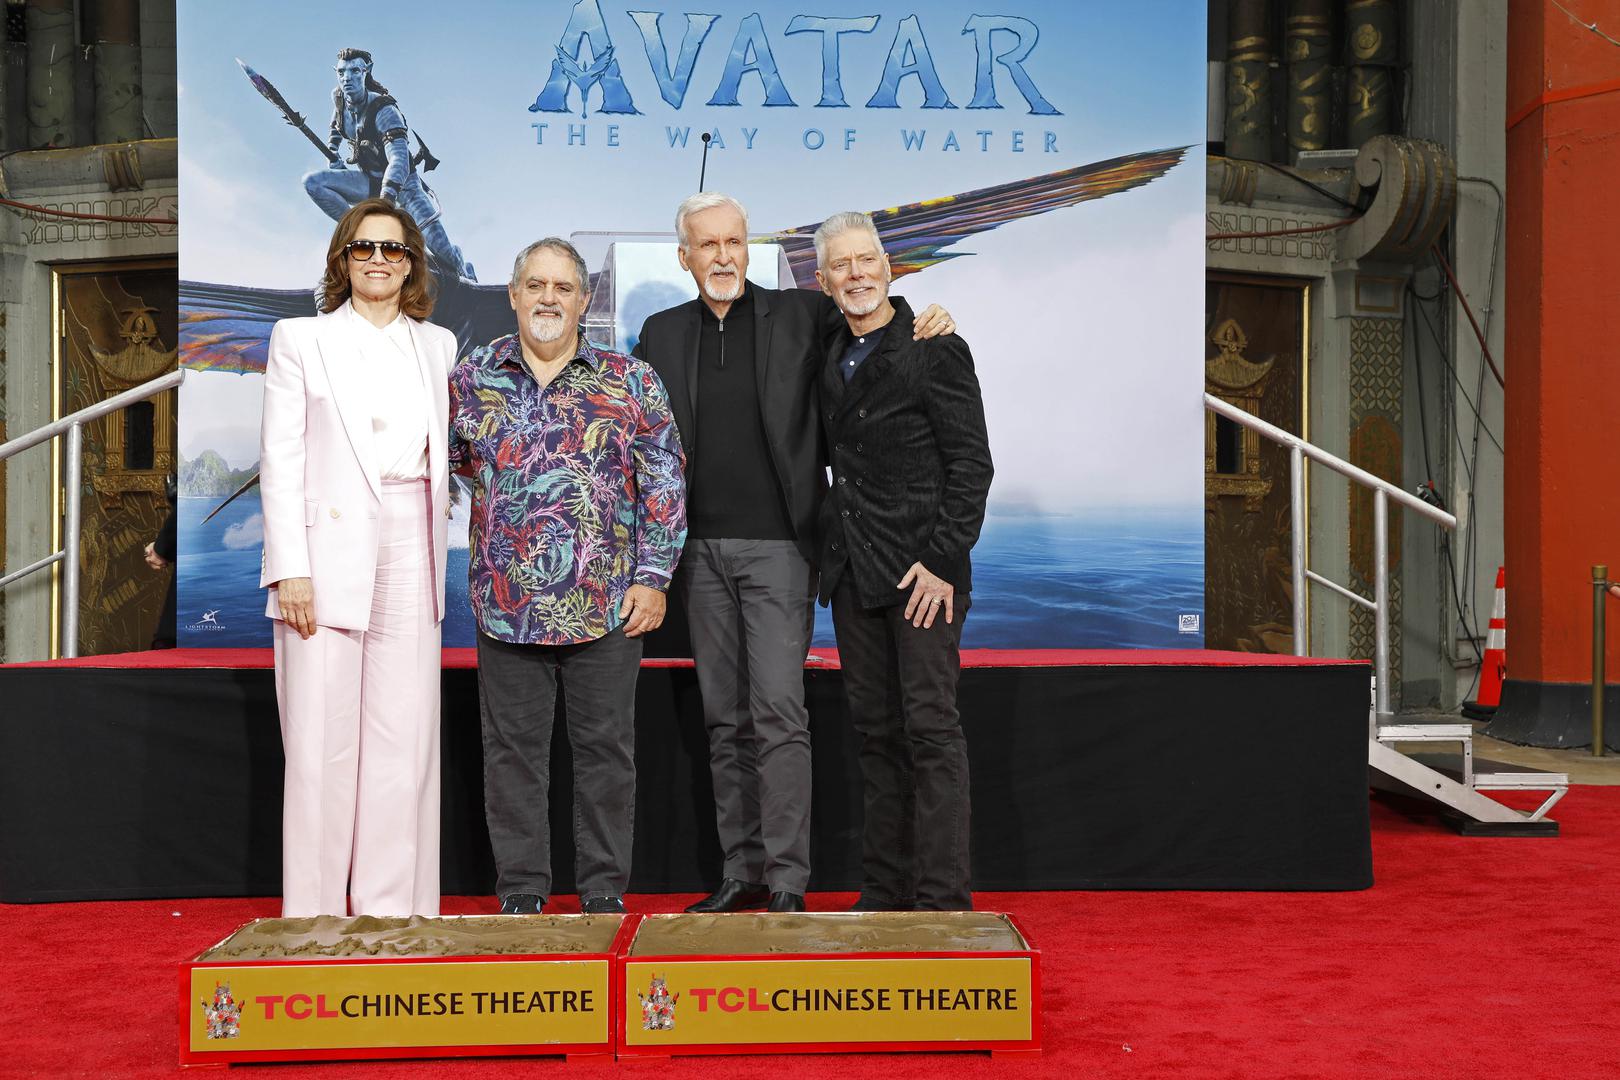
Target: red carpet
818, 658
1469, 958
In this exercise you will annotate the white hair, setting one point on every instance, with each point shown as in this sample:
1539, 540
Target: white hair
848, 221
696, 204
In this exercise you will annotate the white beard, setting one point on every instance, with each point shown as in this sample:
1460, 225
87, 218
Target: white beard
546, 330
719, 295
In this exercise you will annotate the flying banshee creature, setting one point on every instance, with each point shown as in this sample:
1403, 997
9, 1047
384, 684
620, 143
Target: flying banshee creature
227, 327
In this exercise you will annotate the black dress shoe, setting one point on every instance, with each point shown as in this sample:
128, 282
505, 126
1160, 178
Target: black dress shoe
733, 895
522, 903
877, 903
787, 901
603, 905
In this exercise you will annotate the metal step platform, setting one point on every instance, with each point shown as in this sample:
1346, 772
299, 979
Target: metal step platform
1459, 782
1461, 733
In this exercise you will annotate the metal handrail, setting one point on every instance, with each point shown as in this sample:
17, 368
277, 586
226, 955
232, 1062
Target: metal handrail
1337, 464
72, 425
1383, 491
92, 412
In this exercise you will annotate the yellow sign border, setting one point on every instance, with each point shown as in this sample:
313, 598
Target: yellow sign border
451, 986
844, 1002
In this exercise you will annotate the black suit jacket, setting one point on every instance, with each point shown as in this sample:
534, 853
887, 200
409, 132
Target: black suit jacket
910, 460
791, 330
165, 541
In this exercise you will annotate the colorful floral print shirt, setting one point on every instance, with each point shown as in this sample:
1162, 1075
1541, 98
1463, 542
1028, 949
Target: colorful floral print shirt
578, 490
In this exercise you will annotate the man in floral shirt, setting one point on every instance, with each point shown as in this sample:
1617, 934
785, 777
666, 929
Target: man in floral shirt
579, 514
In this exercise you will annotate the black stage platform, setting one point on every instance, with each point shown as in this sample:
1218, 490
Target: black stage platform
1117, 770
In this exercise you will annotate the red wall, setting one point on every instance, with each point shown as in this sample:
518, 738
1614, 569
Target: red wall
1562, 363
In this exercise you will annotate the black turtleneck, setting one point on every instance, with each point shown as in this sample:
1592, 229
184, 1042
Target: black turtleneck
733, 493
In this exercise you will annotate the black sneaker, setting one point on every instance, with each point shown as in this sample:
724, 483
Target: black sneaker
603, 905
522, 903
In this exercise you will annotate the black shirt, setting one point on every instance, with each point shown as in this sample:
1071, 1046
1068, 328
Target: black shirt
857, 352
733, 493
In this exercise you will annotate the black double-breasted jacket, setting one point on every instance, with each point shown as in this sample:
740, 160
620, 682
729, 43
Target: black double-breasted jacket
910, 463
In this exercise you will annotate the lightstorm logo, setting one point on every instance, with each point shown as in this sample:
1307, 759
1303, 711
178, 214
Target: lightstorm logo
589, 62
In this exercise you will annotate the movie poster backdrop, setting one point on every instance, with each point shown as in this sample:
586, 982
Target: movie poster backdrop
1035, 168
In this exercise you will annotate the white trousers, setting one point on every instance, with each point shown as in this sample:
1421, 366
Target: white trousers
360, 729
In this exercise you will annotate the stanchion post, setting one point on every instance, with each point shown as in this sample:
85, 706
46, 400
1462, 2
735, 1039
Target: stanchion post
1296, 483
1600, 586
1381, 601
73, 479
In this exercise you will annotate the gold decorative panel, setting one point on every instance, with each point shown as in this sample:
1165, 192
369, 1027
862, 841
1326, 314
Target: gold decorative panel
1231, 376
1254, 357
117, 329
1375, 445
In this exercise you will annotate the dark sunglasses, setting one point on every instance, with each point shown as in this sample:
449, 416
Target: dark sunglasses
362, 250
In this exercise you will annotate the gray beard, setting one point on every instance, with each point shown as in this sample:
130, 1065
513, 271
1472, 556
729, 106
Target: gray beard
866, 307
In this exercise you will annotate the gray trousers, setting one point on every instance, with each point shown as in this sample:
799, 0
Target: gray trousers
517, 700
750, 605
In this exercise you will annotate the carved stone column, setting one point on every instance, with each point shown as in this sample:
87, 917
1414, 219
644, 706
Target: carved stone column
51, 42
1413, 185
1372, 47
115, 36
1248, 80
1309, 48
6, 134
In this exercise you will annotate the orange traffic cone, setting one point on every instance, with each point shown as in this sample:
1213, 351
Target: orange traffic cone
1493, 668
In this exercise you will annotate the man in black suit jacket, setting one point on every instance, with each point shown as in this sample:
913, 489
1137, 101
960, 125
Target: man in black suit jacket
911, 470
740, 365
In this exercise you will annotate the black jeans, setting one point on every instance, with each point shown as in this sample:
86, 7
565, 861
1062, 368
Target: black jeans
901, 684
517, 691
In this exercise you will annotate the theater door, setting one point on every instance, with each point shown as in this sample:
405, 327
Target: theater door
1256, 357
115, 327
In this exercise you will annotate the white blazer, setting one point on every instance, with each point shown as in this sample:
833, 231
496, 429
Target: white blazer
319, 478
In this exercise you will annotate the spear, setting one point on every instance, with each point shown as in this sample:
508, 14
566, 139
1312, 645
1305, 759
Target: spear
238, 493
273, 96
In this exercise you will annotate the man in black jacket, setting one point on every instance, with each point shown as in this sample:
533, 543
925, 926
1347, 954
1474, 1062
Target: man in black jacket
911, 471
160, 555
740, 365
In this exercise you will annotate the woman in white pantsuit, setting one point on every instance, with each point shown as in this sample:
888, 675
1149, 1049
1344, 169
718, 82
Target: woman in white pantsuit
353, 477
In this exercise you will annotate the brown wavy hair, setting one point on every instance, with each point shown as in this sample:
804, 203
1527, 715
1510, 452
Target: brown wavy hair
415, 299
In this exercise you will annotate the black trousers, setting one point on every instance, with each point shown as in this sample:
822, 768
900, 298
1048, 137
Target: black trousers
901, 684
517, 697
